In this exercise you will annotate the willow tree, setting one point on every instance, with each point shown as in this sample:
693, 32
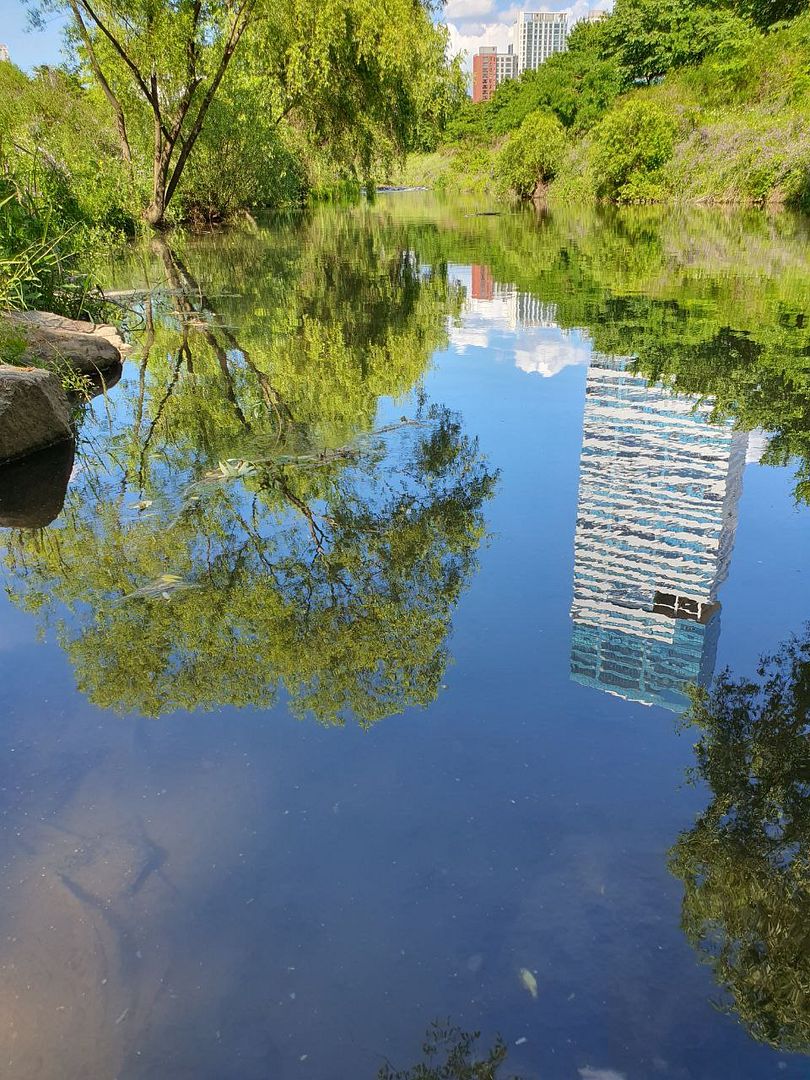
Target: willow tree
745, 864
353, 73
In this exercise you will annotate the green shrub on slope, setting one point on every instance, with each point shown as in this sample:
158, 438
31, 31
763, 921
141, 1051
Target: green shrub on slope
531, 155
631, 145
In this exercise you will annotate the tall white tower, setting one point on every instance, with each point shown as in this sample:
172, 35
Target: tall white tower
538, 35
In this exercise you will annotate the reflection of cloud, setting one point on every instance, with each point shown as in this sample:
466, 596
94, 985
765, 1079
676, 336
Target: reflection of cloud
496, 316
757, 445
601, 1074
549, 357
463, 337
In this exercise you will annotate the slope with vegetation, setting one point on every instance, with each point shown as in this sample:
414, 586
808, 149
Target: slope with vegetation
663, 100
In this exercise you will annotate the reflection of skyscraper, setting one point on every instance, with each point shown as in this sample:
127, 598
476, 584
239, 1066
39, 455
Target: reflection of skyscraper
657, 513
529, 311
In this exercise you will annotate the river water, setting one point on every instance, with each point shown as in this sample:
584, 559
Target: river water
345, 694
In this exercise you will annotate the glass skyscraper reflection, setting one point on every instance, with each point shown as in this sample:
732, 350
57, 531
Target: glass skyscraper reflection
657, 512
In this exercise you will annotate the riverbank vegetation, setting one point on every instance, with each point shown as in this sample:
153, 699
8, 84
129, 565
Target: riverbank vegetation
706, 102
197, 112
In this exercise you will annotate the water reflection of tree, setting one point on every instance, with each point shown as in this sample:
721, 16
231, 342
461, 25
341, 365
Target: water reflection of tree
745, 864
326, 560
451, 1054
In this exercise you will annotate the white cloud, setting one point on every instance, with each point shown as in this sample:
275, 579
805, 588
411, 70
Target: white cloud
499, 34
465, 337
465, 10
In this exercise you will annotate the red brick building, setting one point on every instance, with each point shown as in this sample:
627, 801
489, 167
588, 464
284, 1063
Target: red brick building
485, 73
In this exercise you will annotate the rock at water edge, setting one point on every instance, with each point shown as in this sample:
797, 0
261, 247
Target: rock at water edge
34, 412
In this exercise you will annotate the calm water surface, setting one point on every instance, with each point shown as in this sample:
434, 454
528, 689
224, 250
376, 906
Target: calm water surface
343, 694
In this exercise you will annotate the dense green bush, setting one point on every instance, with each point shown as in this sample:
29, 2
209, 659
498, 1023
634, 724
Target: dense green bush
648, 38
531, 155
58, 141
631, 145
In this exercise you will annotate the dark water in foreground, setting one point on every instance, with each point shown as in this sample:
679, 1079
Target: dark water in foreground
343, 694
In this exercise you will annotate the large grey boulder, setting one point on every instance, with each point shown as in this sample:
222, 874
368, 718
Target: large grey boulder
34, 412
55, 341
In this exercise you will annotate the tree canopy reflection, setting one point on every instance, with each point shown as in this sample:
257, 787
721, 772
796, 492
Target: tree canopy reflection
450, 1053
715, 304
745, 864
238, 526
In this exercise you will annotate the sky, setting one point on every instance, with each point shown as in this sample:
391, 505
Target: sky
29, 47
471, 23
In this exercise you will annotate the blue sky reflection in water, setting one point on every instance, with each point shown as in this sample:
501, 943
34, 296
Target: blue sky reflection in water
243, 892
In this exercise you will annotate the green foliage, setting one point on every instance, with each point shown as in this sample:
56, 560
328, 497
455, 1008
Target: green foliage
57, 142
630, 147
61, 203
217, 106
648, 38
244, 158
450, 1054
766, 12
737, 95
40, 263
531, 155
745, 864
577, 86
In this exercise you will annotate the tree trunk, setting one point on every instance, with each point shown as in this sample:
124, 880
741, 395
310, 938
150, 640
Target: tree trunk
154, 213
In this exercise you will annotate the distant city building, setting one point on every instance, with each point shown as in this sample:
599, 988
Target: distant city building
506, 65
4, 54
491, 68
537, 36
657, 513
594, 16
485, 73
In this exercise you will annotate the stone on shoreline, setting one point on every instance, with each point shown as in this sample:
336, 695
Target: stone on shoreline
55, 341
34, 412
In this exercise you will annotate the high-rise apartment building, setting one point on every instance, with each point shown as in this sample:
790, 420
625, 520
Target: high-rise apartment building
489, 69
658, 493
506, 65
537, 36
